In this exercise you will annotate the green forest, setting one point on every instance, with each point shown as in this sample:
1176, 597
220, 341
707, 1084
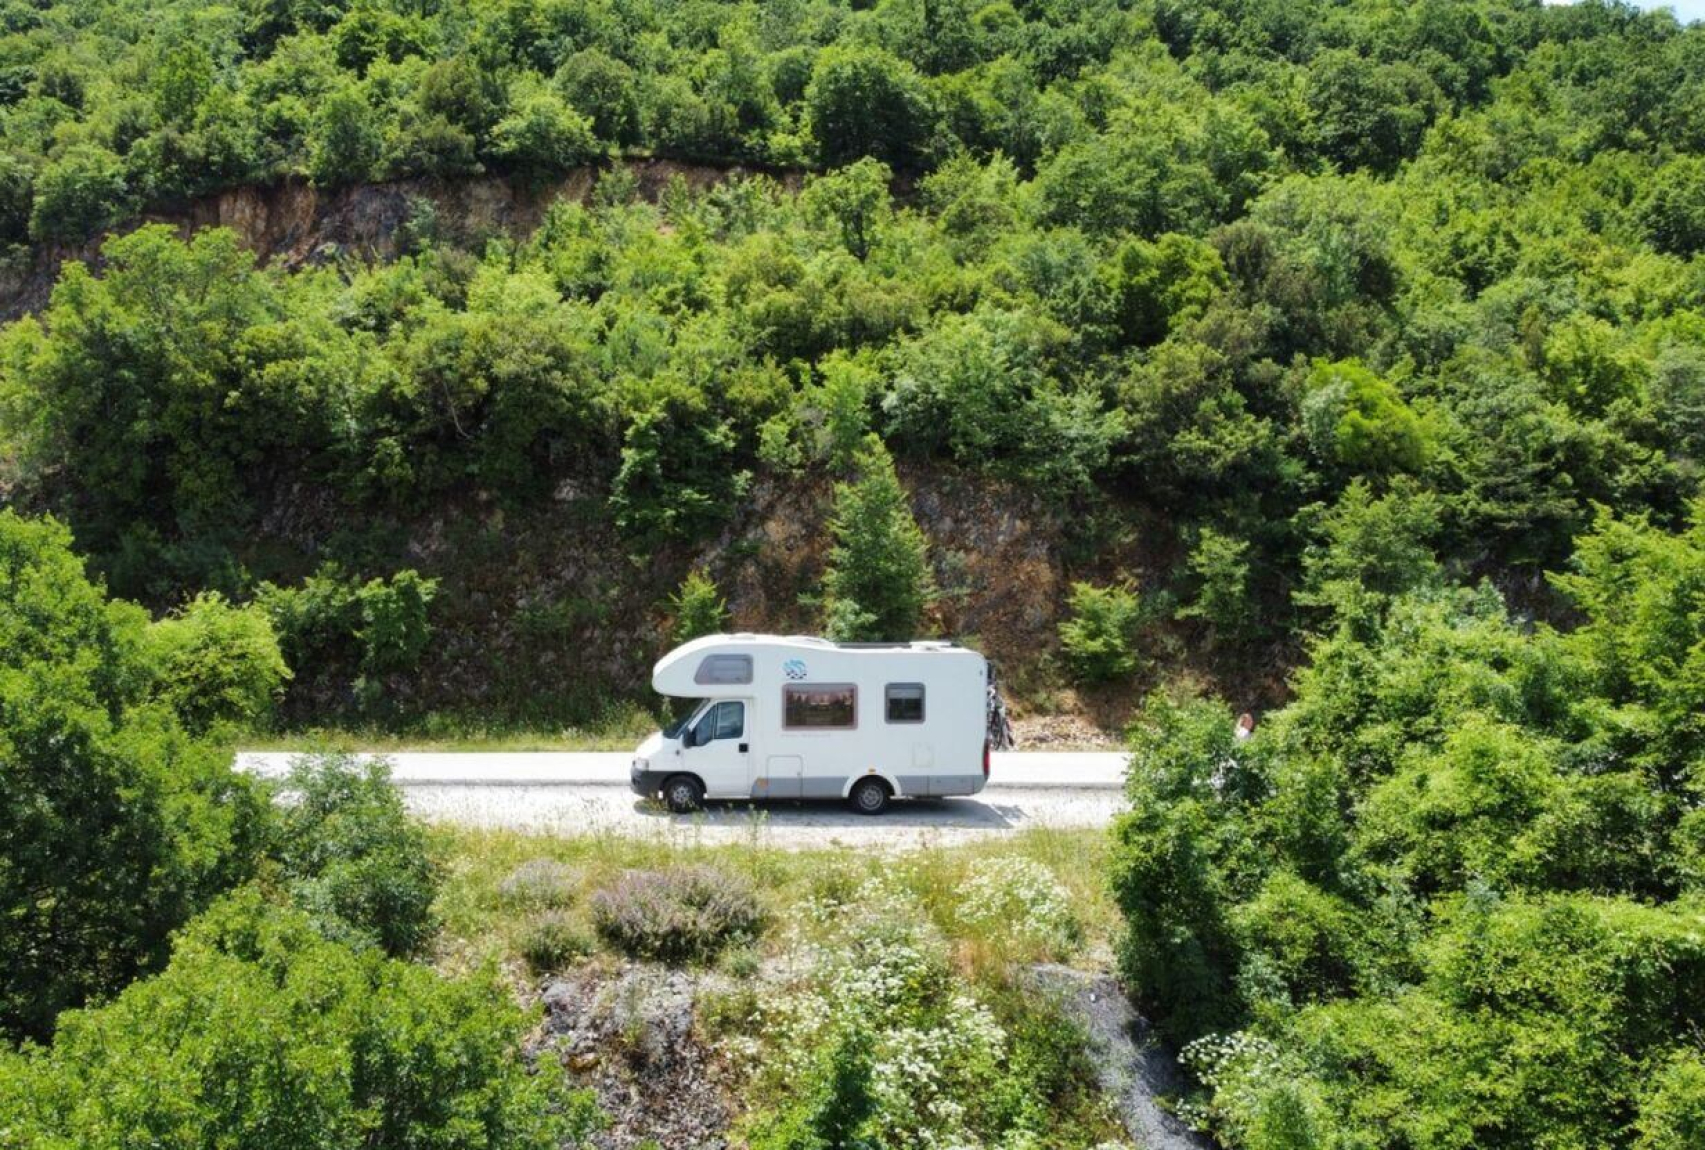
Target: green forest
1341, 359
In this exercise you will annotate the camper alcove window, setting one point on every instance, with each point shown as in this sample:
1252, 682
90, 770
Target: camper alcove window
724, 670
905, 702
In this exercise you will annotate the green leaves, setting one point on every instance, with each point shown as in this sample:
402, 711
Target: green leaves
263, 1034
879, 579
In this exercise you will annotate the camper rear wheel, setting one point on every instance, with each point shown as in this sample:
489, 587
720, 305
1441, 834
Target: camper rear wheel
683, 793
869, 796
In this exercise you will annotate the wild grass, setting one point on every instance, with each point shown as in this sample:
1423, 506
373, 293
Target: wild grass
484, 869
958, 925
617, 729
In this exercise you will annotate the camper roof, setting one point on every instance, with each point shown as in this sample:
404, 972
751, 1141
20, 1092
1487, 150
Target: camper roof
675, 673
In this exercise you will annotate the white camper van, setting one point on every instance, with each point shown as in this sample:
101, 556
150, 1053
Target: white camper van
802, 718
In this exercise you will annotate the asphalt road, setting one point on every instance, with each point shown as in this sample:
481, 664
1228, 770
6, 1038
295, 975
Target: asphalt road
580, 793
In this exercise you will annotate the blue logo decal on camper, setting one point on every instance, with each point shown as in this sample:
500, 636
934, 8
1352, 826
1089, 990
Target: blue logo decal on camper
794, 668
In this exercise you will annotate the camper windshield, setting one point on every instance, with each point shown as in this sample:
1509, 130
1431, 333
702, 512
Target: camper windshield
683, 710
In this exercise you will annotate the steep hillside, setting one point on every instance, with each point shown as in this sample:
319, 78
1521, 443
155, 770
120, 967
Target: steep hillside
1196, 327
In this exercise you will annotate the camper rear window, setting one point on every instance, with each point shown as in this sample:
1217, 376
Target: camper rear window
724, 669
819, 706
905, 702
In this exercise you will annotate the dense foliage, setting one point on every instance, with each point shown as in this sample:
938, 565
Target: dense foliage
1236, 264
351, 857
1451, 894
116, 824
263, 1034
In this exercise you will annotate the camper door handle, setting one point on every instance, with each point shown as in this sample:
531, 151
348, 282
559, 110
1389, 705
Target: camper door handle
744, 747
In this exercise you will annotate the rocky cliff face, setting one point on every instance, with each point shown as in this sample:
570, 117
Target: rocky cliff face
294, 223
544, 612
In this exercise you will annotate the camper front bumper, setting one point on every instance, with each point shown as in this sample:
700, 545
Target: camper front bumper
645, 782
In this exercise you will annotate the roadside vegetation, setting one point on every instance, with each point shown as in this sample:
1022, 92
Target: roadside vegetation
1340, 362
1207, 286
862, 1000
1451, 894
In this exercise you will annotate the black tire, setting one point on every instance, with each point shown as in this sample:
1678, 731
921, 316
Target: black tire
683, 794
869, 796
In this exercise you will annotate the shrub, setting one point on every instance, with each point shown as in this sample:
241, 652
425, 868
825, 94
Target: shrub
1019, 899
698, 607
264, 1035
115, 827
1219, 564
1099, 638
542, 135
218, 664
879, 580
551, 939
78, 194
394, 628
332, 625
881, 1046
539, 884
352, 857
682, 914
1672, 1113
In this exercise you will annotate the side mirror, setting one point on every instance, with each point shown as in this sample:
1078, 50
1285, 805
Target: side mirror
698, 736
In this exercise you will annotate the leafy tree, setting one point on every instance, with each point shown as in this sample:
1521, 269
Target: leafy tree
1371, 550
352, 858
345, 144
117, 825
843, 399
698, 608
1671, 209
217, 664
542, 135
1367, 114
679, 487
262, 1032
1164, 284
864, 102
601, 87
1099, 636
80, 193
878, 582
1359, 420
1220, 565
855, 199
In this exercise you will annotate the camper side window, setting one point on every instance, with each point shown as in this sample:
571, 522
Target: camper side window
905, 702
725, 720
820, 706
724, 670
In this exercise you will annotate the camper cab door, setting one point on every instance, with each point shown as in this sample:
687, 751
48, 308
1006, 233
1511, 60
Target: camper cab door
717, 750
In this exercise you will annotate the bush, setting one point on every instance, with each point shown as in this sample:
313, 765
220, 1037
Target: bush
879, 580
542, 136
264, 1035
339, 630
115, 827
218, 664
539, 884
552, 939
351, 856
79, 194
1020, 900
1219, 563
1672, 1113
698, 607
1100, 636
685, 914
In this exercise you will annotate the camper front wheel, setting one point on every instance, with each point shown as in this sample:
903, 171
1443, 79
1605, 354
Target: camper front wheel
683, 793
869, 796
